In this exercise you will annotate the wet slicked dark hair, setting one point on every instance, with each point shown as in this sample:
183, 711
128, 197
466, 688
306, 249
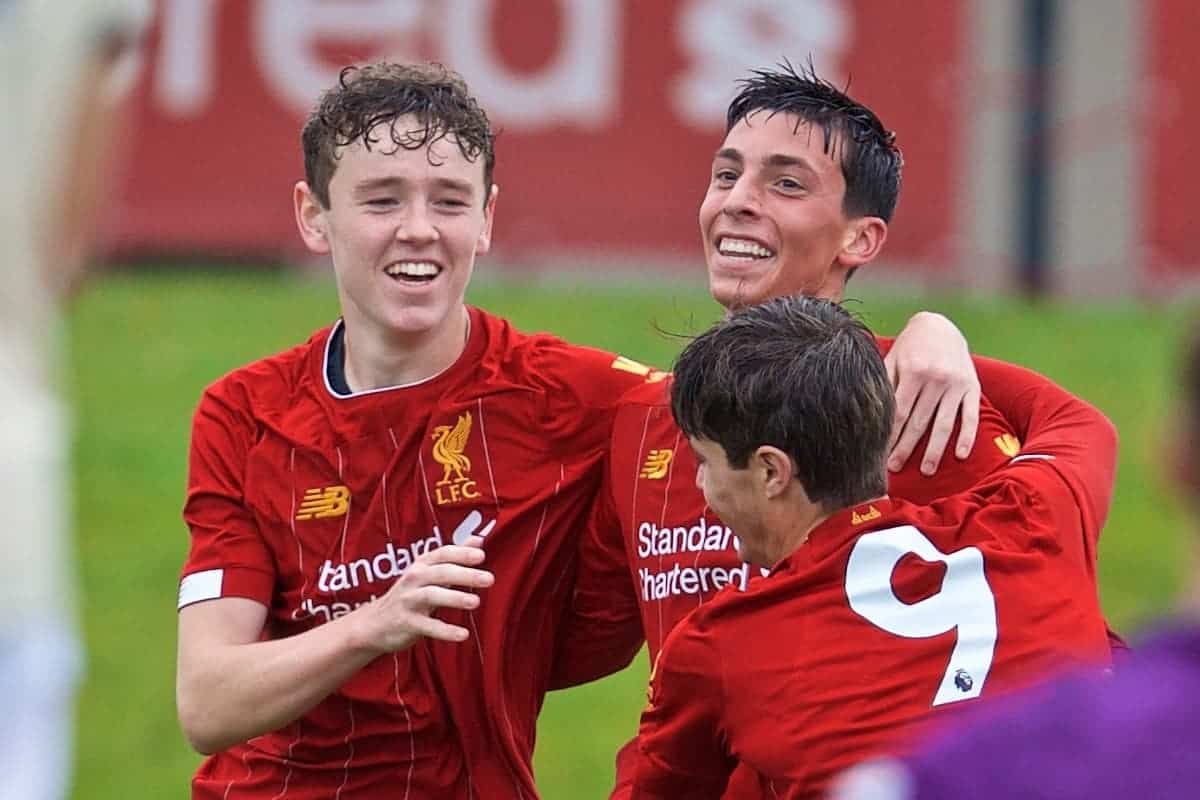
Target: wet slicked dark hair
374, 94
798, 373
870, 160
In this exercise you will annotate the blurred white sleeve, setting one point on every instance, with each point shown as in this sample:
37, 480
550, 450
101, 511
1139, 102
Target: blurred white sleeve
46, 50
880, 779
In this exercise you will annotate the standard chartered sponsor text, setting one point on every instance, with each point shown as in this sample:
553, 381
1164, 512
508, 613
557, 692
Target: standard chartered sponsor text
704, 535
679, 579
690, 580
386, 565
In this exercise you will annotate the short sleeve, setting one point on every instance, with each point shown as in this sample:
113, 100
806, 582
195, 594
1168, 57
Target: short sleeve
582, 387
228, 556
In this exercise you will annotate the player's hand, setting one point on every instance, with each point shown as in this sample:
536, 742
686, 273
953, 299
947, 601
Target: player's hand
440, 578
930, 367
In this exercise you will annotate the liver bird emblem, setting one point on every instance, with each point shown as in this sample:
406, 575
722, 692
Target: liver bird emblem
448, 446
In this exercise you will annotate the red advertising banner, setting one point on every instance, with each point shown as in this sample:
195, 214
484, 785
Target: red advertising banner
609, 111
1171, 174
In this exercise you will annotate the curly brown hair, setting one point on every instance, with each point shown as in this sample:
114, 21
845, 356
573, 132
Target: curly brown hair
380, 93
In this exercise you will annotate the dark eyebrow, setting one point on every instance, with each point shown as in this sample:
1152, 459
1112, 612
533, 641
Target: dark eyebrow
729, 154
781, 160
776, 160
455, 185
374, 184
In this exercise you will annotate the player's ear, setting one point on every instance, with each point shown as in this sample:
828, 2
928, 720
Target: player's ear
775, 470
862, 241
310, 219
484, 243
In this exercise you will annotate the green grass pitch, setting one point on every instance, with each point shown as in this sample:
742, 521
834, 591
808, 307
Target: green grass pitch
143, 345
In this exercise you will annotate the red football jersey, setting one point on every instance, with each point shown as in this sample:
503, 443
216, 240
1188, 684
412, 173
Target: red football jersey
673, 553
653, 551
312, 503
889, 615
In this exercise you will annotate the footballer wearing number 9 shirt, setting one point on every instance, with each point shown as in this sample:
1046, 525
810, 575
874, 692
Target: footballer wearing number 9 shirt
342, 492
800, 195
877, 615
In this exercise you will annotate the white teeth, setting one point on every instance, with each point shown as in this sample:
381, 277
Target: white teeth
413, 269
742, 247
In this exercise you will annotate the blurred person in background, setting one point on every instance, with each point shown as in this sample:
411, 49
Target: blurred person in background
800, 196
65, 70
1084, 737
341, 495
878, 615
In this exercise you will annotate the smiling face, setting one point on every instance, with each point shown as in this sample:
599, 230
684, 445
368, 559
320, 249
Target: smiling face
403, 228
773, 221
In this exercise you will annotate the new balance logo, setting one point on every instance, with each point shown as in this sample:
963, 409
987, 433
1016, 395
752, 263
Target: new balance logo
657, 463
331, 501
1008, 444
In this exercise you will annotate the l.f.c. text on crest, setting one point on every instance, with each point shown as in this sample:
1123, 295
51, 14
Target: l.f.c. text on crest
449, 446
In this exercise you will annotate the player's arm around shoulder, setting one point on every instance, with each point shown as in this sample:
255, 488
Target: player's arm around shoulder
603, 629
1065, 440
584, 386
681, 739
937, 391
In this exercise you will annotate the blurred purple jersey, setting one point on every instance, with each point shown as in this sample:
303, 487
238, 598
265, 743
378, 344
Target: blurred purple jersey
1128, 736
